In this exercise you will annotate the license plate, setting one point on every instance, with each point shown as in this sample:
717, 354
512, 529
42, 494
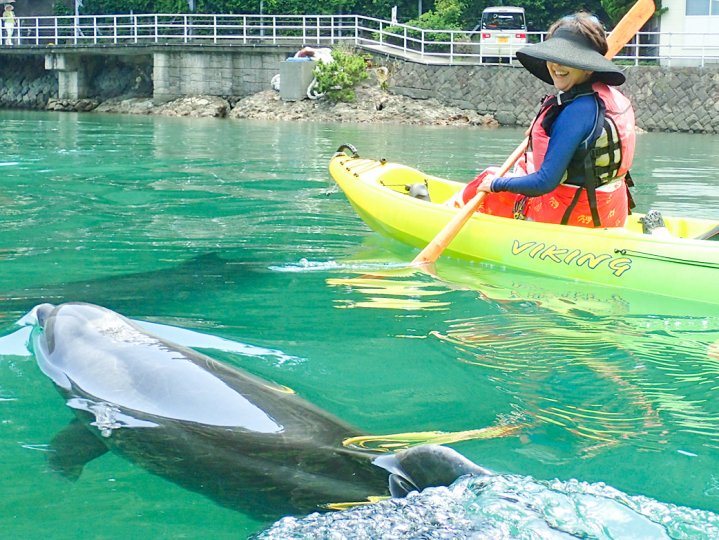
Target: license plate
503, 39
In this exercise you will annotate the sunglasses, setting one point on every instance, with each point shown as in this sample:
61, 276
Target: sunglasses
589, 17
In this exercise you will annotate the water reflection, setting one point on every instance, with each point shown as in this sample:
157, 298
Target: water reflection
605, 380
381, 293
605, 367
673, 174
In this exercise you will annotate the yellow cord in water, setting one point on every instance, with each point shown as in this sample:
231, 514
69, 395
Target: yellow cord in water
345, 505
401, 441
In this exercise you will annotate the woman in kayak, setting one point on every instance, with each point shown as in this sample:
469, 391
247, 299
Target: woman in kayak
581, 144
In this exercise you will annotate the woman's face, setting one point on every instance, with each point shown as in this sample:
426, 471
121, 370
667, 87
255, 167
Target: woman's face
565, 77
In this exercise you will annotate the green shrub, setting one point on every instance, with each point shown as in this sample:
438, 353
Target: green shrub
337, 79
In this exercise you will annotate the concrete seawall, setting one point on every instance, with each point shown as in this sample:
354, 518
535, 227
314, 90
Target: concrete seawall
676, 99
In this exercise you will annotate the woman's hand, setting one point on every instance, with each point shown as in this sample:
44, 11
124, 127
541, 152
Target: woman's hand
486, 182
482, 182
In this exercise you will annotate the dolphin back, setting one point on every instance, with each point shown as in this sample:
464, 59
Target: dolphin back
93, 351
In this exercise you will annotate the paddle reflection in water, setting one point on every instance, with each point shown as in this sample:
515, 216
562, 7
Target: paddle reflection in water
405, 294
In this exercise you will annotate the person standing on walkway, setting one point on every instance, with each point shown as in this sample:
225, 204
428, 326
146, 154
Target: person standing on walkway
8, 19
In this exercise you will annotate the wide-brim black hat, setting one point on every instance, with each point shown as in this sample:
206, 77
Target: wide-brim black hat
568, 47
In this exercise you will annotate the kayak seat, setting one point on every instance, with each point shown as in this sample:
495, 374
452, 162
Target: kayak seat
711, 234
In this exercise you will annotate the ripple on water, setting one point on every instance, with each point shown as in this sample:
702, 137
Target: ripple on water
506, 507
603, 379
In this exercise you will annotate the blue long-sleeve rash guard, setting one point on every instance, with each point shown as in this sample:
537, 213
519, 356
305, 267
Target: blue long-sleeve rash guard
572, 127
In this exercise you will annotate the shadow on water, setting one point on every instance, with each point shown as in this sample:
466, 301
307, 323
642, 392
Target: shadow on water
202, 274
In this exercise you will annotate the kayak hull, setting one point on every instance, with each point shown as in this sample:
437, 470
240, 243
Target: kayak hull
678, 265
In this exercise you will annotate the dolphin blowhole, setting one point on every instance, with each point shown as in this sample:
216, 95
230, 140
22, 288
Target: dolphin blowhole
42, 312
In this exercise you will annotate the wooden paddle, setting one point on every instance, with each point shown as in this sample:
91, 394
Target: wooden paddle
630, 24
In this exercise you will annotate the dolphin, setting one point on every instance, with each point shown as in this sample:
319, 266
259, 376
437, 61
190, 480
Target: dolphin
244, 442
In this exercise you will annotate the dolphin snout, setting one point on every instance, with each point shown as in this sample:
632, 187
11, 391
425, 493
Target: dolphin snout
42, 312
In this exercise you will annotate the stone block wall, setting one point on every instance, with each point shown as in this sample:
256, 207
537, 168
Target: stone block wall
25, 83
675, 99
665, 99
510, 95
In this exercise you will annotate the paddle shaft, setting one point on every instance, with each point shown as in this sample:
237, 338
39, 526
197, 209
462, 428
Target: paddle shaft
435, 248
630, 24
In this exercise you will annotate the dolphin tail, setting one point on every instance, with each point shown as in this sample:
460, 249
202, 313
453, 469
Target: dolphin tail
425, 466
72, 448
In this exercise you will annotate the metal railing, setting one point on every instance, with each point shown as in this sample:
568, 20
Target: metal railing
422, 45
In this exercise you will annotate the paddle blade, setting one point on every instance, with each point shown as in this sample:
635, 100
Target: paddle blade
630, 24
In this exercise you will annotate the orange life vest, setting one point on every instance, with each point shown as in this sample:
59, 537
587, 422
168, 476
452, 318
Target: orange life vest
603, 160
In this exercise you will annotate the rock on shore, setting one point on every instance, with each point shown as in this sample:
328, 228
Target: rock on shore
371, 104
195, 106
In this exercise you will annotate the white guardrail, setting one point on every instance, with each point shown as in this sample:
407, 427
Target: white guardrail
428, 46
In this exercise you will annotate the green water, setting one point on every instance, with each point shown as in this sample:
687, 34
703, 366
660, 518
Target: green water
235, 229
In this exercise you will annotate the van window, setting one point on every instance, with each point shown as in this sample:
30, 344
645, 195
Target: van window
503, 21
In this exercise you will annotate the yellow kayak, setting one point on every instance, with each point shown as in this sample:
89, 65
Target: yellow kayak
409, 205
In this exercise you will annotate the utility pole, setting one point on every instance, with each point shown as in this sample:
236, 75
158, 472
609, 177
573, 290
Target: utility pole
262, 20
78, 5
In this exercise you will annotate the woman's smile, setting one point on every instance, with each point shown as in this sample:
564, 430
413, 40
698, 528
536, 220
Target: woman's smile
565, 78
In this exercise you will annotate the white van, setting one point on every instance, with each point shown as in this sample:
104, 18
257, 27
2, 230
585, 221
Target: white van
501, 32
